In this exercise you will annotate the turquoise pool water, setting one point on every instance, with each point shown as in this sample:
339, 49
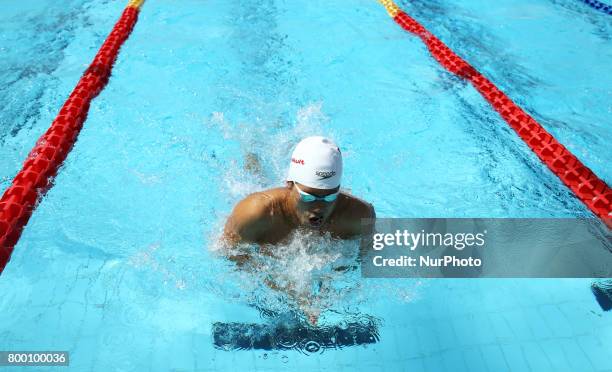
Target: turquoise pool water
118, 264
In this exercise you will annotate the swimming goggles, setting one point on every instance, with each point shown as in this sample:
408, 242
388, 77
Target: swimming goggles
308, 198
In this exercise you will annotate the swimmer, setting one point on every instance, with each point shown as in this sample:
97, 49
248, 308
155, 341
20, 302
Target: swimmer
311, 200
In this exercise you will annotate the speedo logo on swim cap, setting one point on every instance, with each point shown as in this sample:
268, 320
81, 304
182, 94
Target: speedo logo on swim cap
325, 175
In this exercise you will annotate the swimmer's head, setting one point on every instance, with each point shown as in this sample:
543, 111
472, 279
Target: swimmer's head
314, 177
316, 162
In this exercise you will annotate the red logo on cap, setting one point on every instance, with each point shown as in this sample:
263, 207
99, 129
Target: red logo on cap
297, 161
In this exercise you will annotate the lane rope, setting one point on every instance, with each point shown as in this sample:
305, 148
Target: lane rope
595, 4
51, 149
585, 184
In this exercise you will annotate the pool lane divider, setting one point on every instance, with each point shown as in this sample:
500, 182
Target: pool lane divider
51, 149
599, 6
585, 184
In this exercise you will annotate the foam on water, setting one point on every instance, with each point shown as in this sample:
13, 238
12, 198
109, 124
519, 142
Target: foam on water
312, 272
267, 144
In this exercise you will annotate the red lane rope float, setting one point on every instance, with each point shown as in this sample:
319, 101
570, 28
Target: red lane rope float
585, 184
41, 165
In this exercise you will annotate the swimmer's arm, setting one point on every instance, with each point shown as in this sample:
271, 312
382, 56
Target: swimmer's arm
357, 228
371, 214
302, 299
246, 224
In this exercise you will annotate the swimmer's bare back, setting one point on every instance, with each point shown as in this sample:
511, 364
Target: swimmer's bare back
268, 218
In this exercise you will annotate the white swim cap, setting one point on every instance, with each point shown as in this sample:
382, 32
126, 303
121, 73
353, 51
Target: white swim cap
316, 162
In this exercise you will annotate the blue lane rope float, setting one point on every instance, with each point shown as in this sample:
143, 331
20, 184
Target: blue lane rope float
602, 290
595, 4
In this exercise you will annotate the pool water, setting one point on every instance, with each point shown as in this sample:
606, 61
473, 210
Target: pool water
119, 264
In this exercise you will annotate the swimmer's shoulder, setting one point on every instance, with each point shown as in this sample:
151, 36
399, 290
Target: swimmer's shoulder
259, 204
350, 212
355, 208
253, 215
